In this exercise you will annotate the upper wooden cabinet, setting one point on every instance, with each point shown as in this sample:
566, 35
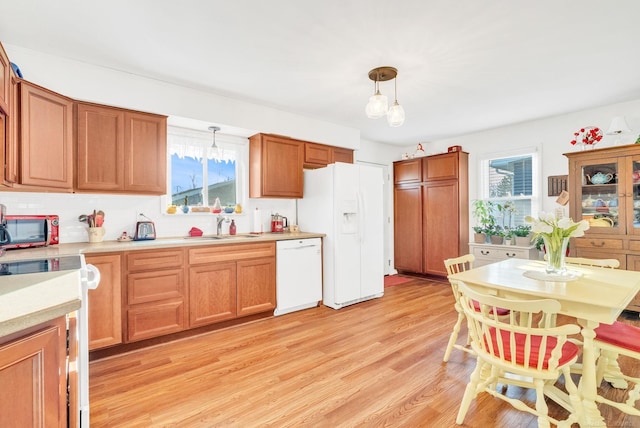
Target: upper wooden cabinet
5, 80
120, 150
11, 135
45, 138
275, 167
320, 155
407, 171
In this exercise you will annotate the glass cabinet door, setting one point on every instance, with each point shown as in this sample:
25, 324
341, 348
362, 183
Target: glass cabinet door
602, 196
633, 195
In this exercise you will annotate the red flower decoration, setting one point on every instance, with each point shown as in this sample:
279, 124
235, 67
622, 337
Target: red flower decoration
588, 135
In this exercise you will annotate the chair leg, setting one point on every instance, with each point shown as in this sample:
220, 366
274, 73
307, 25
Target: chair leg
541, 405
609, 369
470, 392
453, 338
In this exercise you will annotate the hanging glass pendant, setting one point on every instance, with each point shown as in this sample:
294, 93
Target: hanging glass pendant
395, 115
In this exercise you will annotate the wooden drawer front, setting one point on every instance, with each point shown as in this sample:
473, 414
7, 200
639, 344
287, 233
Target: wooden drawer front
155, 320
148, 260
440, 167
599, 244
225, 253
598, 254
501, 253
317, 154
409, 171
153, 286
634, 245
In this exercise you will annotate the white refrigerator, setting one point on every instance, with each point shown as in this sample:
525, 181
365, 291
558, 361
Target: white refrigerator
344, 201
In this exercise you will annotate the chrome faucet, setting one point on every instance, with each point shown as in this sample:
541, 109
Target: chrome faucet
219, 224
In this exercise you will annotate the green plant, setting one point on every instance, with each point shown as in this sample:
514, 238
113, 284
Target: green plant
522, 230
482, 211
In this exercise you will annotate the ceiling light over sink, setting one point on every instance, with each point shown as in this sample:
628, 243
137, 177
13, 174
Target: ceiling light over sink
378, 104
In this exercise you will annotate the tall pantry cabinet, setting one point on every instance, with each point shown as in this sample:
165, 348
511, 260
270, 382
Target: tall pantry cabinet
431, 211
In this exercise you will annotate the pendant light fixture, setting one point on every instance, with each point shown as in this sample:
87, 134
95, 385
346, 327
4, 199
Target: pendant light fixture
378, 104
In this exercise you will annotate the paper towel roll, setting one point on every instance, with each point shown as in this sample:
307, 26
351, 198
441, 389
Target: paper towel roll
257, 221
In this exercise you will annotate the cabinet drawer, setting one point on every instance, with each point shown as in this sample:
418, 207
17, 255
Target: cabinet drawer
155, 320
500, 253
225, 253
152, 286
150, 260
599, 243
634, 245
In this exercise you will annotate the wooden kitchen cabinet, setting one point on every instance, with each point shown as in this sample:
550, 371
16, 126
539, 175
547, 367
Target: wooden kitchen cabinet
276, 167
10, 176
431, 212
231, 281
33, 376
5, 80
321, 155
604, 186
105, 302
120, 150
45, 138
155, 293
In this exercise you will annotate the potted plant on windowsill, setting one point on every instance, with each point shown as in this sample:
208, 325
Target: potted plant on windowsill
523, 235
496, 235
484, 218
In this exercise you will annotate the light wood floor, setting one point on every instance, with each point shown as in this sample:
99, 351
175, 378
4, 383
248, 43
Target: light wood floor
378, 363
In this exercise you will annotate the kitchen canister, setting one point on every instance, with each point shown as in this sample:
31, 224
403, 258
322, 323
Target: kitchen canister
96, 234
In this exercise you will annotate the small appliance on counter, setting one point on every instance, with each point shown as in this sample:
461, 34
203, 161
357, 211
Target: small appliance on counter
27, 231
145, 230
278, 223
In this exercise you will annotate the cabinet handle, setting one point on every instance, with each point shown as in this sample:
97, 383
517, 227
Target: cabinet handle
593, 244
510, 254
485, 253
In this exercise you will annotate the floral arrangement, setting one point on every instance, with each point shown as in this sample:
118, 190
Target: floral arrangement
555, 234
588, 136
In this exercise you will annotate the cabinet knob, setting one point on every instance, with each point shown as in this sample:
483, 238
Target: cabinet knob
485, 253
511, 254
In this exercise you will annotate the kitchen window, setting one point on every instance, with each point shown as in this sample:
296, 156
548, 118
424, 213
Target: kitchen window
511, 180
199, 173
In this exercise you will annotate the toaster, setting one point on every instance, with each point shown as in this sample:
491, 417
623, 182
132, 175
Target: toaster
145, 230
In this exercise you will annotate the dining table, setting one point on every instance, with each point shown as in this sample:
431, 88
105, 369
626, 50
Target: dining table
591, 295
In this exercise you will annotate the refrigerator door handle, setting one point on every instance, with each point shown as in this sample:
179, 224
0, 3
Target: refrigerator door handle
361, 217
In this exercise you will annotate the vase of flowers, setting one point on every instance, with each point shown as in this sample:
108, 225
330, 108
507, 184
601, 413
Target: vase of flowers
587, 137
556, 233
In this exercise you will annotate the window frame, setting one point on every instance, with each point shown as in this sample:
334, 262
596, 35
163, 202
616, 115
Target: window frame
224, 142
536, 176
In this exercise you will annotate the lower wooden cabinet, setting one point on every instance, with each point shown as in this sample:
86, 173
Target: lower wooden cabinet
231, 281
33, 377
105, 302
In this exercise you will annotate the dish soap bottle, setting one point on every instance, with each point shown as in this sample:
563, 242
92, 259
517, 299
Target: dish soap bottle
232, 228
217, 207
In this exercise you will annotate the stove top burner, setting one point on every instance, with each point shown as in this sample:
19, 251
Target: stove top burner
51, 264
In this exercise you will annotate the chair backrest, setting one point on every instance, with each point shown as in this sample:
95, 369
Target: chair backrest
526, 338
583, 261
459, 264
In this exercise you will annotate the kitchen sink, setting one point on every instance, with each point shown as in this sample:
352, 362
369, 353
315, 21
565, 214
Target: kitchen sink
223, 237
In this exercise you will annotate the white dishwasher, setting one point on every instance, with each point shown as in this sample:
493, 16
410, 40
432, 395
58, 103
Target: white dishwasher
298, 274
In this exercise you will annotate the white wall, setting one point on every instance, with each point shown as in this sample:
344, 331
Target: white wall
552, 134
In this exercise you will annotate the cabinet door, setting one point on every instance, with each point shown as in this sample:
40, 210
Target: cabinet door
603, 195
152, 320
145, 153
100, 147
407, 171
440, 167
46, 138
631, 199
256, 286
105, 302
5, 73
11, 145
33, 376
317, 154
342, 155
212, 293
440, 212
276, 165
407, 208
633, 263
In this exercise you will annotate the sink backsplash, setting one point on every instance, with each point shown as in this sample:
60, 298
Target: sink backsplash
121, 213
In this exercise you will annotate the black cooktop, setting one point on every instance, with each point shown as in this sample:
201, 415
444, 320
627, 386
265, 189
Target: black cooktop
50, 264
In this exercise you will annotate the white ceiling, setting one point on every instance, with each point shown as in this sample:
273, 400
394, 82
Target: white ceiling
463, 65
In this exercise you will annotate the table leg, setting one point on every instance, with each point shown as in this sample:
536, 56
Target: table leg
588, 389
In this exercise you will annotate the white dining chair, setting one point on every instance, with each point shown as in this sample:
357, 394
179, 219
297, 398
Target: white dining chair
517, 350
455, 265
